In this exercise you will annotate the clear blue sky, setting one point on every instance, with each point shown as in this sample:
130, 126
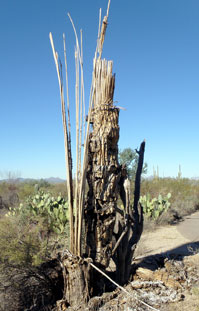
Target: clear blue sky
155, 48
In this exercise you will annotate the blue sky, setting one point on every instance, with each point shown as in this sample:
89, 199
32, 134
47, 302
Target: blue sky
154, 45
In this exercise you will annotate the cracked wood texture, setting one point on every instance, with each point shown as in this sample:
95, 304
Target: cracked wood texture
110, 232
77, 274
103, 171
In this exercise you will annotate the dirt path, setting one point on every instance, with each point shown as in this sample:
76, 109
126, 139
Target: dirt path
180, 239
189, 228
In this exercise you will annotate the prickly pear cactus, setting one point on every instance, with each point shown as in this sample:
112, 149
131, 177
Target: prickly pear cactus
153, 208
54, 210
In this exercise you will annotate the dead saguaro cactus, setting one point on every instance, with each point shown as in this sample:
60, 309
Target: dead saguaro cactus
129, 225
110, 232
77, 281
103, 171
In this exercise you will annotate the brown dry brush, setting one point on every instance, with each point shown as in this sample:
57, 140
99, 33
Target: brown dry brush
31, 288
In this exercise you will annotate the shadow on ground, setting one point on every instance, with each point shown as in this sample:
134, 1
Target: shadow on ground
155, 261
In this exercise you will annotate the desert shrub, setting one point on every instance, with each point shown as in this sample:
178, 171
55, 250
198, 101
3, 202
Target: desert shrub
33, 288
20, 244
29, 188
25, 190
185, 206
9, 195
59, 189
30, 236
31, 233
184, 187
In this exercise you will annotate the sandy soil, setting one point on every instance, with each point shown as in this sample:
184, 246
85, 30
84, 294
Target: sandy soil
180, 239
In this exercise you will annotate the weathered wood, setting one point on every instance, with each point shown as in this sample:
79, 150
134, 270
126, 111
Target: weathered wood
103, 172
159, 275
110, 231
77, 275
130, 225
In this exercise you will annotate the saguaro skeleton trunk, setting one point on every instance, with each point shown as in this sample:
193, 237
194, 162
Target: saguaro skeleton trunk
103, 172
110, 231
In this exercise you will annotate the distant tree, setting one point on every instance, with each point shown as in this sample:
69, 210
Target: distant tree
130, 157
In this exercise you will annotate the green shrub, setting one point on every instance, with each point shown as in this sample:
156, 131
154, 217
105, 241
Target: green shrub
59, 189
20, 245
153, 208
25, 190
34, 231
